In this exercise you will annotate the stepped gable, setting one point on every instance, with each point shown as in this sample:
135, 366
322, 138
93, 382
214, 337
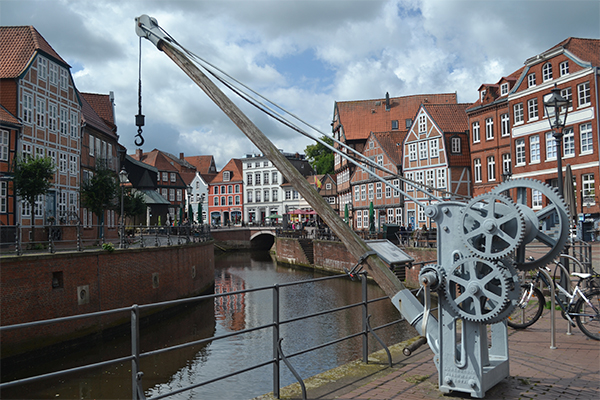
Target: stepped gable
361, 117
18, 45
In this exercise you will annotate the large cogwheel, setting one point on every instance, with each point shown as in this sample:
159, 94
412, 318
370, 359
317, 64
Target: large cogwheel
513, 293
492, 226
546, 228
477, 290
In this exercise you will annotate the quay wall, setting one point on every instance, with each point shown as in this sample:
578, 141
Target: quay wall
38, 287
232, 238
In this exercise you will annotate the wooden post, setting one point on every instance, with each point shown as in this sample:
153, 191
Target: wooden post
386, 279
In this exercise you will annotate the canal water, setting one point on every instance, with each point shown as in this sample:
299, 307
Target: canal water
176, 369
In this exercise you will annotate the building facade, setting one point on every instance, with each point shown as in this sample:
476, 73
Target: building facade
225, 195
10, 131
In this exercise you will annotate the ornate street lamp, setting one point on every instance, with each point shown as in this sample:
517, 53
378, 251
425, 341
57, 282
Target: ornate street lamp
555, 104
123, 179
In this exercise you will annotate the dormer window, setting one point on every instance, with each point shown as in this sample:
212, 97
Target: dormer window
531, 80
455, 145
504, 89
395, 125
483, 94
226, 176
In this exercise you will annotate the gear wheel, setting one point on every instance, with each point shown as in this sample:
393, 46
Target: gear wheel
477, 290
492, 226
547, 229
513, 293
439, 273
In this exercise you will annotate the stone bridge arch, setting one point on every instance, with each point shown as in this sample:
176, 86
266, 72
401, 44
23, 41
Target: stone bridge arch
262, 239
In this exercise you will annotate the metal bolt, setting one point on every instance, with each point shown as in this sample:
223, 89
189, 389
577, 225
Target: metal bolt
446, 229
448, 381
445, 210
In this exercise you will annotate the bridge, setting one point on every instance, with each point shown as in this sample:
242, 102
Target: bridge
254, 237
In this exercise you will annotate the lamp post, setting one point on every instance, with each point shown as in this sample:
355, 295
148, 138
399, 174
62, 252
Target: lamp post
554, 105
190, 212
123, 179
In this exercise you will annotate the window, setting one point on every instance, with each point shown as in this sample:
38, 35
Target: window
583, 94
274, 178
434, 150
4, 138
547, 72
42, 68
237, 188
532, 109
421, 213
504, 89
257, 164
266, 178
489, 128
53, 73
229, 200
476, 136
567, 94
266, 194
477, 170
40, 112
363, 192
275, 194
27, 108
73, 165
64, 121
179, 194
171, 194
249, 196
3, 196
248, 179
589, 190
422, 150
441, 178
64, 79
520, 151
534, 149
226, 176
491, 168
419, 177
266, 163
371, 191
569, 142
165, 176
371, 144
456, 145
165, 194
531, 80
395, 125
74, 124
257, 196
223, 190
223, 201
328, 186
388, 191
378, 190
257, 178
237, 200
506, 163
518, 113
396, 183
422, 124
172, 176
536, 199
359, 219
587, 145
356, 193
482, 95
505, 124
564, 68
550, 146
399, 216
230, 189
62, 162
408, 123
380, 160
430, 177
390, 215
412, 152
216, 191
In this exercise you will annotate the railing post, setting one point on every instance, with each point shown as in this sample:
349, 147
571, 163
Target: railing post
276, 340
50, 239
135, 351
79, 246
18, 240
141, 237
365, 313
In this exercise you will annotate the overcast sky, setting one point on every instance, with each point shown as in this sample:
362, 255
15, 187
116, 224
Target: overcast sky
303, 55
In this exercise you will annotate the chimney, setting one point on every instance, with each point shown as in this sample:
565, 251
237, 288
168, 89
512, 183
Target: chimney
181, 156
138, 154
387, 101
111, 97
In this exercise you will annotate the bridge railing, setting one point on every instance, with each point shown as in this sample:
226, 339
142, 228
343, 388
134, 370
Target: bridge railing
278, 356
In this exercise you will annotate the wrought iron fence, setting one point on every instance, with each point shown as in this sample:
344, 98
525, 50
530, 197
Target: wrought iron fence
17, 239
275, 362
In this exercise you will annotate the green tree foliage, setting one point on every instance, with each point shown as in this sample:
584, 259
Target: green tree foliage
134, 204
320, 157
32, 177
99, 193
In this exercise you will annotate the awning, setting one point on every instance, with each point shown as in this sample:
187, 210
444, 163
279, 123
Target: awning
275, 216
151, 197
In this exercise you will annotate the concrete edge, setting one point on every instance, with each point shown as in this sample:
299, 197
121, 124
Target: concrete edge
345, 378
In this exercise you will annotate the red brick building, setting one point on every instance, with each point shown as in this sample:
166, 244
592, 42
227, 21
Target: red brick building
225, 195
10, 128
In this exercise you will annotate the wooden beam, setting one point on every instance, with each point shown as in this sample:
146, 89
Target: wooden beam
354, 244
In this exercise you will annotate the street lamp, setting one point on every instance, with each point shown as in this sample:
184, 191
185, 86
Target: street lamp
189, 207
554, 105
123, 179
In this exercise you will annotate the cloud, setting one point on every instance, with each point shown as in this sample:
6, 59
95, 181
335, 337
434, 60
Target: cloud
304, 55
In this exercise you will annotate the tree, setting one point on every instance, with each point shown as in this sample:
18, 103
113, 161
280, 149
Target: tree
320, 157
32, 178
133, 204
99, 193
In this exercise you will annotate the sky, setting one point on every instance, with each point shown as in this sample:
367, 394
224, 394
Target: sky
302, 55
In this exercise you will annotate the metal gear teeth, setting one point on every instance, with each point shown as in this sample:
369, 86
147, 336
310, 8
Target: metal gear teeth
511, 247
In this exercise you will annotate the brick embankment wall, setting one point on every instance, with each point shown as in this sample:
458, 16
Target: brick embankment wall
37, 287
289, 251
232, 238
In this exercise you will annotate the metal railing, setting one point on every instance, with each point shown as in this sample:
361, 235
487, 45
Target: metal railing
277, 357
17, 239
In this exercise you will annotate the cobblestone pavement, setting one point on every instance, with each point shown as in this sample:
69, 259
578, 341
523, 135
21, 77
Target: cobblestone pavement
571, 371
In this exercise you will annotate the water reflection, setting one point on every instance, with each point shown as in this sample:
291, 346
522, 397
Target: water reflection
233, 313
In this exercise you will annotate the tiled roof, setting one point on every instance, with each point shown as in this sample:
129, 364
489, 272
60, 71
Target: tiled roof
464, 158
102, 105
391, 142
449, 117
585, 49
157, 159
90, 117
7, 117
360, 118
202, 163
18, 45
235, 166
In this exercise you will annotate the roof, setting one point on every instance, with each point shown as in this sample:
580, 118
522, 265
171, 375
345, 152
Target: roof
235, 166
391, 143
7, 117
203, 164
151, 197
18, 45
360, 118
585, 49
90, 117
449, 117
158, 159
102, 105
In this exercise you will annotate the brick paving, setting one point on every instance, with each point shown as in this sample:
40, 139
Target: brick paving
571, 371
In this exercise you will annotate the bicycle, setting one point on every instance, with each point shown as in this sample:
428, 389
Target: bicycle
583, 306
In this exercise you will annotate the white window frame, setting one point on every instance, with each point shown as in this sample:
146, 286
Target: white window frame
3, 197
441, 178
568, 142
536, 199
520, 152
564, 68
588, 189
249, 179
518, 113
423, 150
491, 169
412, 152
551, 148
4, 145
547, 74
356, 193
584, 95
422, 124
173, 176
363, 192
586, 138
434, 148
477, 170
503, 89
396, 183
505, 125
489, 128
40, 112
27, 108
378, 190
531, 81
506, 163
534, 149
476, 132
532, 109
370, 191
456, 145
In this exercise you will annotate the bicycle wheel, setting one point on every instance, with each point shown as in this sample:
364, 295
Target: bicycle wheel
588, 318
525, 315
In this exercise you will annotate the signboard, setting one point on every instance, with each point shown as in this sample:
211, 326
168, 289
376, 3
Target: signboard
389, 252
